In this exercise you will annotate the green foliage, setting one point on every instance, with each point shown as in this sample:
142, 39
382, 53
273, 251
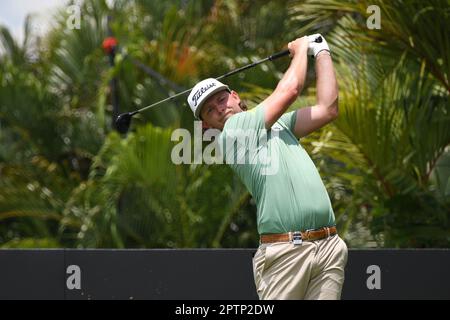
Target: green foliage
68, 180
393, 126
147, 201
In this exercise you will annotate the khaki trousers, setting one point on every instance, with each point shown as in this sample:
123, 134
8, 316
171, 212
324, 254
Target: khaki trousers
312, 270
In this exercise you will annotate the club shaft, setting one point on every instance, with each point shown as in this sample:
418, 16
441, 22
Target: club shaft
162, 101
251, 65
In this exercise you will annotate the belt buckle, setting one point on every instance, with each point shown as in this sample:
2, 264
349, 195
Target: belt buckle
296, 238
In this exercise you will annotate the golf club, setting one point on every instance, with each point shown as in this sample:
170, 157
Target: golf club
123, 120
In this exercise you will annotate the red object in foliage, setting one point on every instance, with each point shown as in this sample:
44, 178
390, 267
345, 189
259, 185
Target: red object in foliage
109, 44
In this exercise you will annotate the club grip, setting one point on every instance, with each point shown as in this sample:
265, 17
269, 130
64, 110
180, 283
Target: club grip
286, 52
279, 55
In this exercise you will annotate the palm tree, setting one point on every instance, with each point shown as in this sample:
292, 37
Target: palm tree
46, 145
393, 127
67, 124
160, 204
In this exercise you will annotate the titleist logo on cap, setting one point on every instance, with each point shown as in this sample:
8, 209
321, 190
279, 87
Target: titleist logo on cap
198, 94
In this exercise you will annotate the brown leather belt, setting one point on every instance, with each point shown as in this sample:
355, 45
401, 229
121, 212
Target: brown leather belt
299, 236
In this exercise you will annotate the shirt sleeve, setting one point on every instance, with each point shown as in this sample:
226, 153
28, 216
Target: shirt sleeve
289, 119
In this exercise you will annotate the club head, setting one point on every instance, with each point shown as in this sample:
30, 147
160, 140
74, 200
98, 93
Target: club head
123, 122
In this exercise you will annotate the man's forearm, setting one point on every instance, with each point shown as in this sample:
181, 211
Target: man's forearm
295, 75
290, 85
327, 88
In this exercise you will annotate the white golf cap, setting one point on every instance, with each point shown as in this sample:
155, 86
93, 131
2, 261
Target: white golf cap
202, 91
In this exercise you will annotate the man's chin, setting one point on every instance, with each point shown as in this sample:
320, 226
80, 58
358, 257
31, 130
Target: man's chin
226, 117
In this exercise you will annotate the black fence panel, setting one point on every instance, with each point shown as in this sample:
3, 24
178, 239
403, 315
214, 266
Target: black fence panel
206, 274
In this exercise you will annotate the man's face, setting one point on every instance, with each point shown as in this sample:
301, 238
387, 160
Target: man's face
219, 108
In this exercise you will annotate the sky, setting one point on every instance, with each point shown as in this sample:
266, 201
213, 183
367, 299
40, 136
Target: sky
13, 13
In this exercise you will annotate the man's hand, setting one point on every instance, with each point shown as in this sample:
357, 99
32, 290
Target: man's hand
298, 45
315, 47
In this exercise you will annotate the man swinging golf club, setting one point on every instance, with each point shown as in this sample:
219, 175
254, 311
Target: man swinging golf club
300, 254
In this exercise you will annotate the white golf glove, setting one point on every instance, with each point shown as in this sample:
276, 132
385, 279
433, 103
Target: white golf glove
315, 47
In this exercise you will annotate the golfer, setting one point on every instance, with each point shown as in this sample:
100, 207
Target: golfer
300, 255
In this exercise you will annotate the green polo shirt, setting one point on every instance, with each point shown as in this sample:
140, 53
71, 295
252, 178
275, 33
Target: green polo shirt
277, 171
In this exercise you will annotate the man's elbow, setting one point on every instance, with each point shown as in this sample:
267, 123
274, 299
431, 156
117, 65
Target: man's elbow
330, 109
334, 109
